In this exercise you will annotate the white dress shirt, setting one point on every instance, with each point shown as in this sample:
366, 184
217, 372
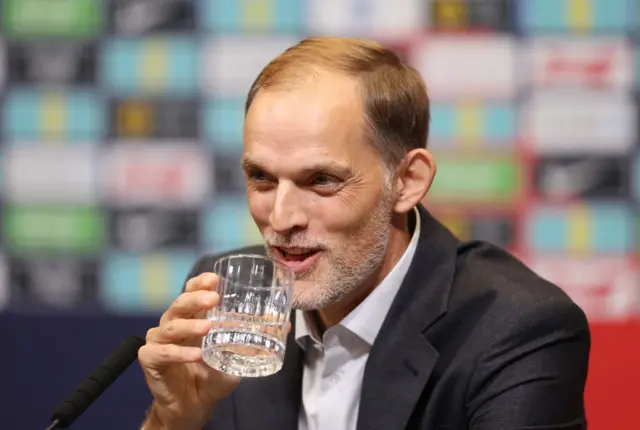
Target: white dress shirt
334, 363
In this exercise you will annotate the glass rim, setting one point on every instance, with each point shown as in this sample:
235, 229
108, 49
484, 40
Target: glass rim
276, 263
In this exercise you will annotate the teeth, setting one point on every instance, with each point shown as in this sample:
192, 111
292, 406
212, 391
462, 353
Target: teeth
285, 252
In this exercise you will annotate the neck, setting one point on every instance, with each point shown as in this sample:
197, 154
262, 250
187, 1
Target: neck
399, 239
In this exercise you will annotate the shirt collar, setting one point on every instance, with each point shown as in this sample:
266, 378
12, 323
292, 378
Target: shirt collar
366, 319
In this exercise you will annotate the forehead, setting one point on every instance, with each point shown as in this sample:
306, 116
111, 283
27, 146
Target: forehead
322, 117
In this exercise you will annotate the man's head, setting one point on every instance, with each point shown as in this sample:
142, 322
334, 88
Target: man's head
334, 155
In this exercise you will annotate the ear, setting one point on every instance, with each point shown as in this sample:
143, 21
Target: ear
414, 178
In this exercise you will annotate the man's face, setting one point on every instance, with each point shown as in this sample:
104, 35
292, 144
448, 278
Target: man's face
316, 188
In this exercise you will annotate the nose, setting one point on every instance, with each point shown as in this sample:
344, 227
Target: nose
288, 213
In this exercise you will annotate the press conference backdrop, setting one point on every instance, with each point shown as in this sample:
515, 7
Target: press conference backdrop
121, 131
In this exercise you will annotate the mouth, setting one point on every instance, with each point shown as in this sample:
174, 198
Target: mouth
296, 259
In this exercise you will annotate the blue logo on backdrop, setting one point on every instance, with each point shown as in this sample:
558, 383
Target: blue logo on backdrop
53, 115
228, 225
222, 122
153, 65
601, 228
226, 16
492, 124
136, 283
543, 16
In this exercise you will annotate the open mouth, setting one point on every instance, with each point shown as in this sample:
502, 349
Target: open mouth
297, 259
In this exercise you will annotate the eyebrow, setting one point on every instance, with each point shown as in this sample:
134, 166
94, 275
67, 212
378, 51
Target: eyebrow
329, 167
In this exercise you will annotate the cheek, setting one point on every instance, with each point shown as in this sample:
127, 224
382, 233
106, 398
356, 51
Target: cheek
260, 207
341, 218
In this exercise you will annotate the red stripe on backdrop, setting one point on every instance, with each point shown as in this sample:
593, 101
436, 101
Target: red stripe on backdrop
613, 386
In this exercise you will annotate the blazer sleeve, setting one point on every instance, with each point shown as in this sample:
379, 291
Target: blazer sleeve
223, 417
534, 373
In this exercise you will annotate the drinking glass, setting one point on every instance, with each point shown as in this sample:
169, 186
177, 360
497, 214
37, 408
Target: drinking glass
251, 317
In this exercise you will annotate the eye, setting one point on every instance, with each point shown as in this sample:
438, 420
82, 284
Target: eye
257, 176
259, 180
325, 181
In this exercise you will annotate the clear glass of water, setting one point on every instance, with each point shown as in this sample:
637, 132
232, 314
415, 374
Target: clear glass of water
251, 317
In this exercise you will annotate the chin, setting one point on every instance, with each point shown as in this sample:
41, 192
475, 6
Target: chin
304, 297
308, 298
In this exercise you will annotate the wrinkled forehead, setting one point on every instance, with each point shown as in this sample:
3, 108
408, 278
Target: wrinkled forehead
322, 118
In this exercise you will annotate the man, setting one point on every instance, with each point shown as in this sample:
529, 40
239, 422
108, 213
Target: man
398, 325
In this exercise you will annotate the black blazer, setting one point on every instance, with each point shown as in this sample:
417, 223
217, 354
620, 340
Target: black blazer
473, 340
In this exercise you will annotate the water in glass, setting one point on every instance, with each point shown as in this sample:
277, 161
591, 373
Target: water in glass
249, 335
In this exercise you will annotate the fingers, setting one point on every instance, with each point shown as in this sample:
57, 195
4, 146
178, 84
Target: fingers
165, 342
176, 330
189, 304
156, 355
204, 281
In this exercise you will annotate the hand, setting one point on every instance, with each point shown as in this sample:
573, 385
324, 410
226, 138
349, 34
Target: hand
184, 388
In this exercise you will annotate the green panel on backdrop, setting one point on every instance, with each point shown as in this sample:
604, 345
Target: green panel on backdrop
54, 228
477, 178
52, 18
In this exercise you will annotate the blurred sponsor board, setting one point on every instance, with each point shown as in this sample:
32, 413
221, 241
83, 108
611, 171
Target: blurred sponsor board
580, 229
635, 177
601, 62
222, 124
573, 16
373, 19
606, 289
468, 66
146, 230
140, 17
492, 15
472, 123
229, 176
587, 177
49, 174
228, 225
53, 282
52, 63
230, 63
154, 118
155, 174
496, 227
53, 229
144, 283
579, 122
28, 19
477, 179
53, 115
269, 16
150, 65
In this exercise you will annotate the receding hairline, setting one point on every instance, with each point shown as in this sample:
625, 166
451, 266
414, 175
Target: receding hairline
393, 94
298, 65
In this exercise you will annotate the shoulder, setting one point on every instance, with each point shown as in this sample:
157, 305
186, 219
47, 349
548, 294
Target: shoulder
507, 303
518, 338
488, 274
205, 262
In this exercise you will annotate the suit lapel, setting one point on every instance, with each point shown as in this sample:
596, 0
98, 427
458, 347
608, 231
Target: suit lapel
402, 358
273, 402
